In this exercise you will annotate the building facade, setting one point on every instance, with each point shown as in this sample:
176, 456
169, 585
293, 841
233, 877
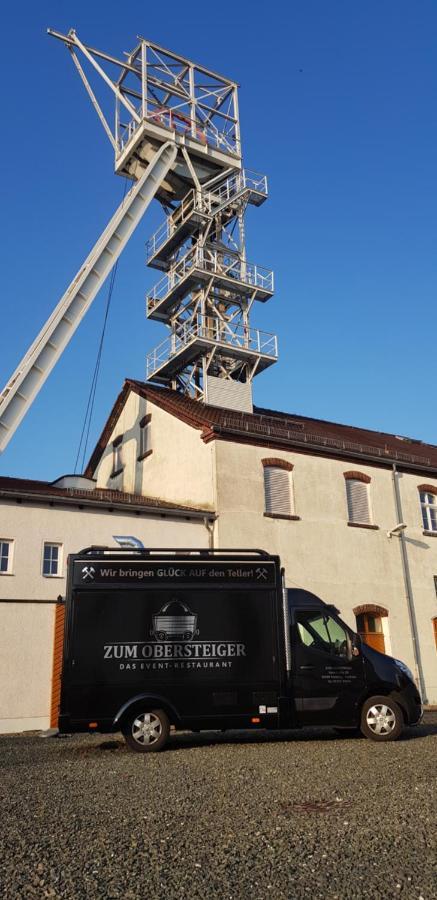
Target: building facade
332, 500
351, 513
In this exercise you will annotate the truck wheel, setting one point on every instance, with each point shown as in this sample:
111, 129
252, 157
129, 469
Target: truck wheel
381, 719
147, 731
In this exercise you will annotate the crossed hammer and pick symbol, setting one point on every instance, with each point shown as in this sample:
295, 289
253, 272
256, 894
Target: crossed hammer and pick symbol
88, 572
261, 573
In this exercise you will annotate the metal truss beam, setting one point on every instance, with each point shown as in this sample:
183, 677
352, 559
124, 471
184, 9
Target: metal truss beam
31, 373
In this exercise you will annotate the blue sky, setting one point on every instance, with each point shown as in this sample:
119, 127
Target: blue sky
338, 107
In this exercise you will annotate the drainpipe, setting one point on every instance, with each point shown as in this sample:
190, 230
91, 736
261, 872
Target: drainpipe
408, 588
209, 525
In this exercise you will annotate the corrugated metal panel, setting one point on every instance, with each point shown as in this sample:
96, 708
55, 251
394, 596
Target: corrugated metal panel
277, 491
229, 394
58, 647
358, 501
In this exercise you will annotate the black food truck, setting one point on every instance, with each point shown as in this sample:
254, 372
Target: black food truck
204, 639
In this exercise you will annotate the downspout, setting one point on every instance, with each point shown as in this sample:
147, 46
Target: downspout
408, 588
209, 525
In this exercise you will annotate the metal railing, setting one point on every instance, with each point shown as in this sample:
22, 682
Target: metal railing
240, 182
294, 432
176, 121
239, 337
208, 203
215, 263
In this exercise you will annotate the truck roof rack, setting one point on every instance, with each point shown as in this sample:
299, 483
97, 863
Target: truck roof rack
148, 552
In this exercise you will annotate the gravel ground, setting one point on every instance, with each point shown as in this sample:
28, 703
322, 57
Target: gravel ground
286, 815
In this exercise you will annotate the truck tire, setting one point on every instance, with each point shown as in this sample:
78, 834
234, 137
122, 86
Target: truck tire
382, 719
146, 731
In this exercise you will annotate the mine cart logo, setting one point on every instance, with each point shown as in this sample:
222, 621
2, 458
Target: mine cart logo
88, 572
174, 622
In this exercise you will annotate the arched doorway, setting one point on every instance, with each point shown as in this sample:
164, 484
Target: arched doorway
370, 625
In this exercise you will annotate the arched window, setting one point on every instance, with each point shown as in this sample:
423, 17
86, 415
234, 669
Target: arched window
357, 495
278, 494
428, 505
370, 625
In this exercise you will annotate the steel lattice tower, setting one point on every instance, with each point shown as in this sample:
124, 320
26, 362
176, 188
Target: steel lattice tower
176, 136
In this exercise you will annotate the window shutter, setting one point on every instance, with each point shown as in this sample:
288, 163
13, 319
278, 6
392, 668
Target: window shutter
357, 501
277, 491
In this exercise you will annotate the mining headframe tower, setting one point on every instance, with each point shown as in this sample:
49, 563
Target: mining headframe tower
176, 136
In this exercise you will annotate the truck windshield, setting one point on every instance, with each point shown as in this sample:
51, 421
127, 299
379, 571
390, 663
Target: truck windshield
322, 632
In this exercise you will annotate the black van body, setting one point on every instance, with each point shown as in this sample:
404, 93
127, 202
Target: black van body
212, 640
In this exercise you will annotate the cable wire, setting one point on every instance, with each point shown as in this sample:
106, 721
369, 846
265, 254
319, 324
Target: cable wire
84, 437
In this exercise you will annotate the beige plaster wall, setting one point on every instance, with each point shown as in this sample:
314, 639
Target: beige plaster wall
344, 565
180, 468
26, 650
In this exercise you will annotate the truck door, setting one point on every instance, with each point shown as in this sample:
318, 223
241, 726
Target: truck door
328, 671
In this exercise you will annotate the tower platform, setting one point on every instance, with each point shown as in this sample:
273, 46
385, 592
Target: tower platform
209, 155
197, 209
193, 341
201, 265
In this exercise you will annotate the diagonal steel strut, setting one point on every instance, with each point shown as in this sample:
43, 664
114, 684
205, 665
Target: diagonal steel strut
31, 373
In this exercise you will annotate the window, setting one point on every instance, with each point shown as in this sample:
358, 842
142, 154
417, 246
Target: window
117, 462
322, 632
51, 562
277, 488
6, 549
357, 494
429, 510
145, 436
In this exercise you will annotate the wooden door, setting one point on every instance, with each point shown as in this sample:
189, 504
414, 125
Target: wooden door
369, 627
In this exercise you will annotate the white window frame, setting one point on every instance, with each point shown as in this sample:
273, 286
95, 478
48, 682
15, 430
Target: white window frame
426, 505
269, 509
349, 501
60, 547
10, 542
